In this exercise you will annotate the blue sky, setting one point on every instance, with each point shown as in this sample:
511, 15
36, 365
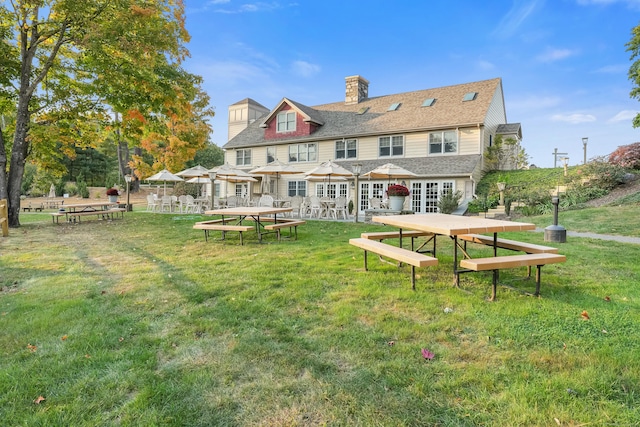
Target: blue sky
563, 63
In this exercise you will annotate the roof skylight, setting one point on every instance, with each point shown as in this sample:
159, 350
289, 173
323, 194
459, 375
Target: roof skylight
394, 106
470, 96
428, 102
363, 110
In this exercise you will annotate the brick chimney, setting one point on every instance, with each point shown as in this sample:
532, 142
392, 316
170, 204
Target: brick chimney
357, 89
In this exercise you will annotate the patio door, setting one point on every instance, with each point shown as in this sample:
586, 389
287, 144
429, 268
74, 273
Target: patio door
425, 195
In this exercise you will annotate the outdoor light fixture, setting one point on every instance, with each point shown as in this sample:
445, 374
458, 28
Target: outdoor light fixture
128, 178
212, 177
584, 146
357, 168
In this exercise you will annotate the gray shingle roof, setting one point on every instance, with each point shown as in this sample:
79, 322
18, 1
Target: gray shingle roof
342, 120
445, 166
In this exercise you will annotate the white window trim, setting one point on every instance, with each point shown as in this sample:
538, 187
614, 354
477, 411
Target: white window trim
346, 149
391, 137
308, 144
244, 151
286, 121
443, 152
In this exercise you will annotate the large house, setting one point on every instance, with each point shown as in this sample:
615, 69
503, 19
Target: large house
438, 134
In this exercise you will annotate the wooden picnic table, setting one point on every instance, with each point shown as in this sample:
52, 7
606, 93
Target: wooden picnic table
73, 212
455, 226
233, 217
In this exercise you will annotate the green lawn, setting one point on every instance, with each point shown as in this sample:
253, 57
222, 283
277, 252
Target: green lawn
140, 322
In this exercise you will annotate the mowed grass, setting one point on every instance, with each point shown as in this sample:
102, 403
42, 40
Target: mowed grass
141, 322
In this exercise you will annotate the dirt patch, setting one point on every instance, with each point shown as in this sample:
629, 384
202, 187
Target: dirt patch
624, 190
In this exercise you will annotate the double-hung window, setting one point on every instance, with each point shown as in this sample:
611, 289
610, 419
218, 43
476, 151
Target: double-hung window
271, 154
443, 142
303, 153
286, 121
243, 157
390, 146
297, 188
346, 149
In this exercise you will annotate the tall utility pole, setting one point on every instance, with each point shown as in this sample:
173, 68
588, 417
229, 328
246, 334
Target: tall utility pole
555, 156
584, 146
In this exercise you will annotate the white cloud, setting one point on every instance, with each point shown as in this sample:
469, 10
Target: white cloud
305, 69
515, 17
251, 7
575, 118
623, 116
551, 55
612, 69
632, 4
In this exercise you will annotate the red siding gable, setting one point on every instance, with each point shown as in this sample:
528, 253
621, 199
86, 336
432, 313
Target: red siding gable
302, 128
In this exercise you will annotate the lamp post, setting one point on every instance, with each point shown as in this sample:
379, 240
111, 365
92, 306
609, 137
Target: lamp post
127, 178
584, 147
357, 168
212, 177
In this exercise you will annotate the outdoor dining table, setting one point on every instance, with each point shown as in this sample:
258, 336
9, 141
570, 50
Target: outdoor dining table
258, 214
453, 226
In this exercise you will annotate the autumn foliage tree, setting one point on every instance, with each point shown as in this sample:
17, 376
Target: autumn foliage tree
71, 70
626, 156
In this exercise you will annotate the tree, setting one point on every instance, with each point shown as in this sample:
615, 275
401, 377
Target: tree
626, 156
634, 71
505, 154
67, 66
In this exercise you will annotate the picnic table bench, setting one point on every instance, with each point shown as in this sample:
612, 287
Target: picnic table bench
410, 257
74, 216
220, 225
497, 263
285, 223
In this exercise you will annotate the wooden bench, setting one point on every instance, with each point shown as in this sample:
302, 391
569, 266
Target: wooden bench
220, 225
414, 259
73, 216
512, 261
413, 234
513, 245
285, 224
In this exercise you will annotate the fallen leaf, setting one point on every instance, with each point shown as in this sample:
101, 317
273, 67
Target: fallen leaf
607, 299
64, 338
87, 356
585, 315
557, 421
120, 339
39, 399
604, 331
427, 354
32, 348
564, 346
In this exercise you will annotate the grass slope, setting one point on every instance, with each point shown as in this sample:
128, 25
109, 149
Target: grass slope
141, 322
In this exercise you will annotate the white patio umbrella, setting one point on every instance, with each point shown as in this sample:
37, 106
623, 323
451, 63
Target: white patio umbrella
389, 170
194, 171
329, 169
228, 173
199, 180
275, 168
164, 176
52, 191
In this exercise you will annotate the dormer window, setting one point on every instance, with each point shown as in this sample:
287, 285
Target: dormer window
286, 121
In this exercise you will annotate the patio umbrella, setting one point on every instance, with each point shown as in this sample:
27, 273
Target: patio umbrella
329, 169
228, 173
199, 180
164, 176
276, 168
194, 171
389, 170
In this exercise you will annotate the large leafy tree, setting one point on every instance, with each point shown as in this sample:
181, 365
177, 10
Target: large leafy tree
71, 69
634, 71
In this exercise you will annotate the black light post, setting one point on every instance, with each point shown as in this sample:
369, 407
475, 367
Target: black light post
127, 178
555, 232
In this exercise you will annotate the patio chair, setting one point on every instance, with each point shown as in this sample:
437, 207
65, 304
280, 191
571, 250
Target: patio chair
182, 203
232, 201
375, 203
266, 200
191, 206
296, 205
340, 208
166, 202
152, 203
316, 208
